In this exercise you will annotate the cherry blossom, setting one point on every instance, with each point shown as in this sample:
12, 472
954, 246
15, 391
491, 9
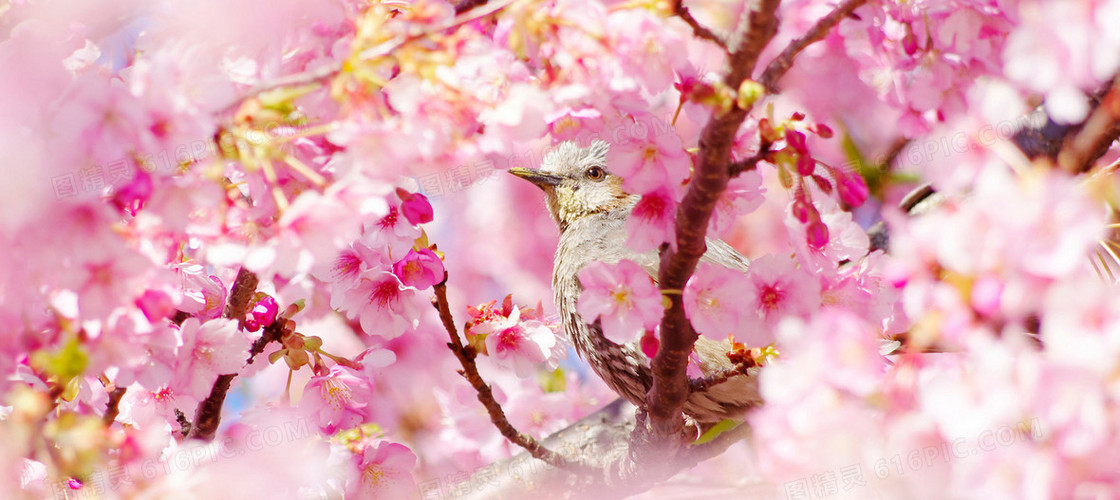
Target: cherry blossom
383, 471
517, 344
208, 349
419, 269
337, 399
383, 305
713, 300
623, 298
345, 155
781, 290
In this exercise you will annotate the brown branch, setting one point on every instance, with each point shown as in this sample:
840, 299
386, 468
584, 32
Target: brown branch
244, 287
784, 61
1096, 136
698, 29
670, 386
112, 407
751, 163
208, 414
467, 5
270, 333
184, 424
485, 394
761, 26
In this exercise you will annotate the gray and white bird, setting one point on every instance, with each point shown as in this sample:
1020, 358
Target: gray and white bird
591, 209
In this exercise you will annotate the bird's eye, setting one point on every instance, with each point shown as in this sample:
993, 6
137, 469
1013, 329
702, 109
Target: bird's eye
596, 173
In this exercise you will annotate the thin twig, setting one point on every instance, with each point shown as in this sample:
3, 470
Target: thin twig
698, 29
470, 16
1100, 131
784, 61
330, 70
485, 394
703, 384
748, 164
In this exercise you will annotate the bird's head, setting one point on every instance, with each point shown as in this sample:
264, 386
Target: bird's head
576, 182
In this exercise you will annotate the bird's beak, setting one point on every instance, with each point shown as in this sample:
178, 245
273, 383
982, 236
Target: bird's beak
541, 179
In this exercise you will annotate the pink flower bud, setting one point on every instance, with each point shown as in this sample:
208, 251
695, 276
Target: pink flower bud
817, 235
823, 183
910, 43
802, 209
264, 312
822, 130
650, 344
415, 207
852, 189
132, 196
796, 140
805, 165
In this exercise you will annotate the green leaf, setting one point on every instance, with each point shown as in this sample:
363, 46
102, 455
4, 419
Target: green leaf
724, 426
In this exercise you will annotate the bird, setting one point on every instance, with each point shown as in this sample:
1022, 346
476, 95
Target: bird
591, 208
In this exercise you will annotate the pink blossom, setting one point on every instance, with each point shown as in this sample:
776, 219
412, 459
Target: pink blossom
648, 159
383, 471
622, 296
337, 400
650, 47
521, 345
781, 290
743, 195
203, 296
383, 306
715, 299
419, 269
209, 349
651, 222
393, 231
155, 304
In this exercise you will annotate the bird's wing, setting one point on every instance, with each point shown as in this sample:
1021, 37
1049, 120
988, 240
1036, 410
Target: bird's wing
719, 253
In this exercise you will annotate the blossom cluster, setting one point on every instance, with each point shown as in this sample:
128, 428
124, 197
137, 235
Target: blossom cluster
212, 194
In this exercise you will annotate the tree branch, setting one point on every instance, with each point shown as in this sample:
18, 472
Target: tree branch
670, 386
1096, 136
746, 164
112, 407
466, 5
703, 384
209, 412
784, 61
698, 29
244, 287
485, 394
